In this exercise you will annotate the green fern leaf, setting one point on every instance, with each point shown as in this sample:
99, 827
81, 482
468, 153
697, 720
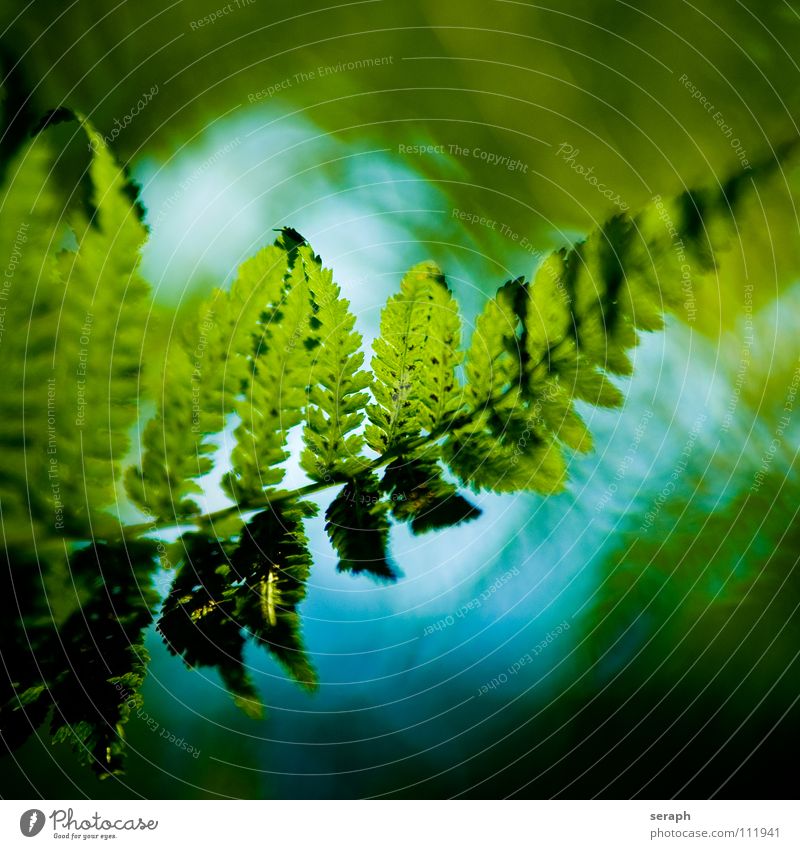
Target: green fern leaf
198, 621
418, 392
94, 670
337, 385
504, 447
208, 372
358, 528
104, 310
540, 347
414, 363
277, 393
173, 455
29, 303
273, 564
439, 390
72, 336
419, 494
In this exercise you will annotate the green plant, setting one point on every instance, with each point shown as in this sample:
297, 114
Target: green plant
276, 352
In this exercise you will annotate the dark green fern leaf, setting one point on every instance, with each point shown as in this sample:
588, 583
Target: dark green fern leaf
504, 446
419, 494
540, 347
273, 564
198, 620
358, 528
249, 585
89, 670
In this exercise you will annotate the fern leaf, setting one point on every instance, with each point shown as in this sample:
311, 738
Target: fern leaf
198, 621
419, 494
72, 335
440, 393
559, 339
504, 447
414, 362
337, 384
90, 671
29, 299
358, 528
276, 396
257, 585
173, 456
209, 366
273, 564
417, 391
104, 308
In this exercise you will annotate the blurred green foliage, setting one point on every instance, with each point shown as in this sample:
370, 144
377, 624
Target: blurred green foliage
536, 125
615, 82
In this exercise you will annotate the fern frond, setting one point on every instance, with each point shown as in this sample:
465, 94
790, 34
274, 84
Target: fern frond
337, 384
74, 324
276, 397
92, 673
440, 392
198, 622
29, 298
107, 660
504, 446
414, 361
418, 392
358, 528
174, 452
254, 584
420, 495
107, 300
273, 563
560, 339
209, 368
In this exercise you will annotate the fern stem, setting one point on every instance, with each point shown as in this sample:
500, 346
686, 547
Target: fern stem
251, 505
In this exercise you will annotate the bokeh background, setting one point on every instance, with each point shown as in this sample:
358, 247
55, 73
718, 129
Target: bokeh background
662, 620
